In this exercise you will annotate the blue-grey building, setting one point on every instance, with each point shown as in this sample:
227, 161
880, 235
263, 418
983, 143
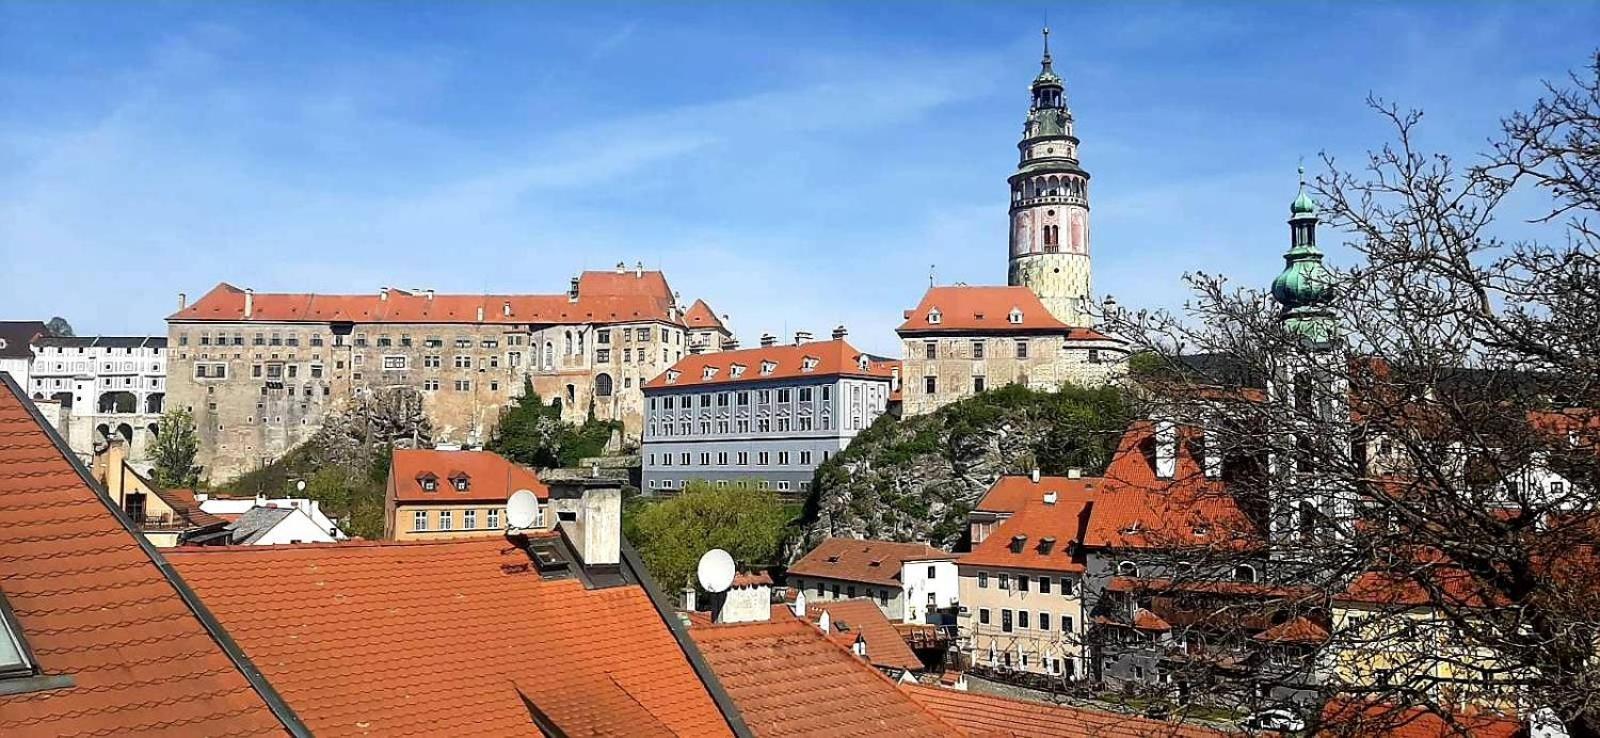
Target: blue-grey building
767, 416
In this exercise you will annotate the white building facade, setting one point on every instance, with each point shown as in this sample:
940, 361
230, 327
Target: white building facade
104, 386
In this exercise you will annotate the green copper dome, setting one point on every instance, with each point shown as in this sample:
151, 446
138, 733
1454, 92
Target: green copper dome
1305, 286
1304, 281
1303, 205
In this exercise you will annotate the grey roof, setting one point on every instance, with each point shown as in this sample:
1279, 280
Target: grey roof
155, 342
16, 335
256, 522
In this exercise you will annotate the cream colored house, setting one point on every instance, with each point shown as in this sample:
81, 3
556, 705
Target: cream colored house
436, 494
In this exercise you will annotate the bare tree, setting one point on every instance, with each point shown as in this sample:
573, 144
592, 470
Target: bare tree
1414, 434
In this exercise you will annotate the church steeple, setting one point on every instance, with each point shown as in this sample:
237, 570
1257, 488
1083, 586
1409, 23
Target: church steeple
1047, 74
1305, 287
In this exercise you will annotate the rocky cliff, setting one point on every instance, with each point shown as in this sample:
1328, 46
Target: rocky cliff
915, 479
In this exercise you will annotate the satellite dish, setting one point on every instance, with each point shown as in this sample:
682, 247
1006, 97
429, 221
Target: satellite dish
521, 509
300, 485
715, 571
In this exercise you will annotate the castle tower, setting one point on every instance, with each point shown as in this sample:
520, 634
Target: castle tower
1050, 204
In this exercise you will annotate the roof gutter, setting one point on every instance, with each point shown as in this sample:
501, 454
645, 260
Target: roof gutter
258, 682
680, 633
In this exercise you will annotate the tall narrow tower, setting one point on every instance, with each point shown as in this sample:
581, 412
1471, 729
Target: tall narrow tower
1050, 204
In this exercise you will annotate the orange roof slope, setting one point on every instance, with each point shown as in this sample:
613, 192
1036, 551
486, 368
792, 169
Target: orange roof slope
986, 310
1039, 537
855, 560
829, 358
1137, 509
491, 477
790, 680
606, 301
987, 716
94, 607
700, 315
849, 618
1009, 494
1360, 717
449, 637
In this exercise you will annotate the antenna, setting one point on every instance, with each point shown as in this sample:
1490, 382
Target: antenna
521, 510
715, 571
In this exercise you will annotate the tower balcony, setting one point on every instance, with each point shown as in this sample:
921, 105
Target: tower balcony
1063, 199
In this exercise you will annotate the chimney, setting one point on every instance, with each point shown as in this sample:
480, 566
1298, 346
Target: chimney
798, 607
768, 340
749, 600
1166, 449
183, 301
572, 291
622, 267
116, 457
859, 648
249, 302
201, 497
480, 313
1050, 497
506, 308
429, 293
1074, 473
638, 270
688, 598
383, 293
839, 333
589, 515
802, 336
1034, 475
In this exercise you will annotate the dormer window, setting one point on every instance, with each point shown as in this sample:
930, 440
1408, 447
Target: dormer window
808, 364
1015, 317
672, 376
16, 658
768, 367
429, 482
1017, 542
735, 370
935, 317
460, 481
1046, 543
863, 362
708, 372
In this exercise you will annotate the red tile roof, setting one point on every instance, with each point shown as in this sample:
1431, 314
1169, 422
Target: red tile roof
1146, 620
700, 315
1453, 585
1298, 630
1008, 494
94, 607
447, 637
988, 716
490, 476
986, 310
1359, 717
1040, 536
856, 560
789, 361
1242, 589
603, 297
849, 618
1136, 509
790, 680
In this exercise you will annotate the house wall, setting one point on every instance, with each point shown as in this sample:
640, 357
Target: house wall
295, 528
1061, 643
891, 599
401, 525
1050, 361
930, 586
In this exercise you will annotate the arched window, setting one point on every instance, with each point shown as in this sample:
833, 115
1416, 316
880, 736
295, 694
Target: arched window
153, 402
1128, 569
569, 343
1244, 573
602, 385
572, 395
549, 355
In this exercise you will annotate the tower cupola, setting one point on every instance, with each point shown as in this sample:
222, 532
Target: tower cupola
1304, 288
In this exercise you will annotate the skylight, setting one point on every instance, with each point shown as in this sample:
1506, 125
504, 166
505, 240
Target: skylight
15, 660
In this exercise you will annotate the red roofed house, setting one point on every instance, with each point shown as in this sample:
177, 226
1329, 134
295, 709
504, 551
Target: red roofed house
911, 582
707, 333
765, 416
435, 494
261, 371
960, 341
97, 635
166, 517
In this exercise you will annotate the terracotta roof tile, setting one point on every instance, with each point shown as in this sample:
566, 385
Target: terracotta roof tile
963, 309
790, 680
1040, 536
450, 637
1359, 717
856, 560
603, 297
789, 361
1008, 494
490, 476
94, 607
849, 618
1297, 630
700, 315
1137, 509
988, 716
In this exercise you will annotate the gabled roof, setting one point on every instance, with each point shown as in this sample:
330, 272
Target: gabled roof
17, 337
989, 716
1352, 716
256, 523
493, 478
1041, 536
1299, 629
788, 679
826, 358
849, 618
963, 309
1137, 509
183, 503
126, 651
456, 637
856, 560
603, 297
700, 315
1008, 494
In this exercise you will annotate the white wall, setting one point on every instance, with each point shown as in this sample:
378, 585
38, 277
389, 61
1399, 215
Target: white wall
295, 528
241, 505
943, 586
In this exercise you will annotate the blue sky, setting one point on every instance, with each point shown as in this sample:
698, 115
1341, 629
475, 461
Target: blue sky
797, 165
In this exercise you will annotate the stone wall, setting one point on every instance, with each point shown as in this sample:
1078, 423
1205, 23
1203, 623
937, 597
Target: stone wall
959, 361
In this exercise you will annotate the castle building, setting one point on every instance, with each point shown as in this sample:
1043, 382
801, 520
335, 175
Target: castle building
97, 388
1038, 330
261, 372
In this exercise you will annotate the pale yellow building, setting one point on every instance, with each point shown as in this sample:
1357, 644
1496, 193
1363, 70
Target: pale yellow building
435, 495
164, 516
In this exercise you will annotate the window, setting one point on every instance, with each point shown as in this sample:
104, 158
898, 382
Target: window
783, 458
805, 457
931, 349
445, 520
1005, 581
419, 520
977, 383
493, 520
1128, 569
469, 519
983, 616
1022, 349
461, 483
783, 486
983, 580
463, 361
1005, 621
463, 385
933, 571
1044, 621
1066, 586
977, 349
1066, 623
1022, 618
1244, 573
430, 384
394, 362
850, 590
602, 385
1044, 585
430, 362
930, 385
